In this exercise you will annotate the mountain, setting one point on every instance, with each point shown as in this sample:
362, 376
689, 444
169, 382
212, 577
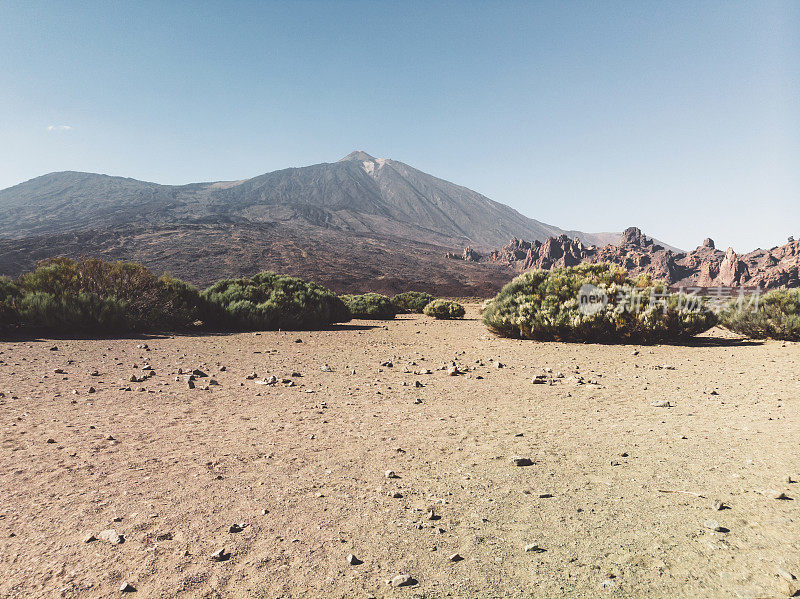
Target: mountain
706, 266
358, 223
358, 193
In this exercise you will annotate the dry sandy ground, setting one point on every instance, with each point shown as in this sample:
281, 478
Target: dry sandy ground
172, 468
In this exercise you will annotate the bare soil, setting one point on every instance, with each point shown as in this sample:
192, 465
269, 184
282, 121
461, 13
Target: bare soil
616, 502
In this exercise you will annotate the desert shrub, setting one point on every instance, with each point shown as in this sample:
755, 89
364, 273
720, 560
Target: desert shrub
544, 305
90, 294
268, 301
412, 301
370, 306
444, 309
775, 315
9, 299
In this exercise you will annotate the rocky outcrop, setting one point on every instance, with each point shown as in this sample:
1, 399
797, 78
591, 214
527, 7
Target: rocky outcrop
705, 266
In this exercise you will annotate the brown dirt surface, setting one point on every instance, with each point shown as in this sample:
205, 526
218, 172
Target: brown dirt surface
616, 501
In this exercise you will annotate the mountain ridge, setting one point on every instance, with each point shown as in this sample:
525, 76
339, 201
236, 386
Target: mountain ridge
358, 192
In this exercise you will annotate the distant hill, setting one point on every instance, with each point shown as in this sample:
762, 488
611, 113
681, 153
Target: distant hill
352, 209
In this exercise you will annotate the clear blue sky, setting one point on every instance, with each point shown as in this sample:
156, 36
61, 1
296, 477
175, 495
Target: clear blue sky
680, 117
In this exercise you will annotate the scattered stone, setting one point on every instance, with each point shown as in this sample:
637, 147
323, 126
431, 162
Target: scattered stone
353, 560
718, 505
199, 373
127, 587
54, 348
251, 376
401, 580
326, 368
455, 558
518, 461
190, 384
110, 536
390, 474
90, 538
452, 371
51, 440
92, 390
714, 525
661, 403
387, 364
534, 548
220, 555
234, 528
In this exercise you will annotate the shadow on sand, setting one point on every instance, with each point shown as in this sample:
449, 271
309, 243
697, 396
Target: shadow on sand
39, 336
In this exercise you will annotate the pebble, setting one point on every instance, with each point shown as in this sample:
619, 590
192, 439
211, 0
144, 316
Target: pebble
714, 525
401, 580
127, 587
718, 505
110, 536
661, 403
518, 461
455, 558
390, 474
533, 547
220, 555
353, 560
90, 538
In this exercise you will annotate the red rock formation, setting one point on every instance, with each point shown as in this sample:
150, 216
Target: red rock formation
705, 266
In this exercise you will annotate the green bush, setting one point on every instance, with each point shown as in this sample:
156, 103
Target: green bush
775, 315
412, 301
268, 301
370, 306
93, 295
544, 305
9, 298
444, 309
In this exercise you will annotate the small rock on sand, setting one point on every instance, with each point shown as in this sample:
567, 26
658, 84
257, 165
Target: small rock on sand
220, 555
402, 580
110, 536
714, 525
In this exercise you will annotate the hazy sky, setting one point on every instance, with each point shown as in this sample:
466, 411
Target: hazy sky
680, 117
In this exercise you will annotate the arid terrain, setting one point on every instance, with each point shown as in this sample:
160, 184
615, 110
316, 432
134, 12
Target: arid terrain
291, 479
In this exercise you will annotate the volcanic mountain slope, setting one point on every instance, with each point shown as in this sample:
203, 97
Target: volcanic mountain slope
359, 193
361, 223
705, 266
